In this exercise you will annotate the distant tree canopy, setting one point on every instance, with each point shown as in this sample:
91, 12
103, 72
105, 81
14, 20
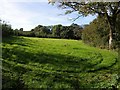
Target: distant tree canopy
56, 30
110, 11
41, 31
77, 30
73, 31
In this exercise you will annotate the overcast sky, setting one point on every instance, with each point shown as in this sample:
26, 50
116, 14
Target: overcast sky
27, 15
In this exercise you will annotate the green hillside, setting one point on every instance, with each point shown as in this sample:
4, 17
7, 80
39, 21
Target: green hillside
56, 63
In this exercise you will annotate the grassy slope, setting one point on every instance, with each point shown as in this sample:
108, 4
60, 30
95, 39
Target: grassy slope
56, 63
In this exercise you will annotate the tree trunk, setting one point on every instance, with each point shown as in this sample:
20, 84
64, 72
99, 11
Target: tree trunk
111, 23
110, 39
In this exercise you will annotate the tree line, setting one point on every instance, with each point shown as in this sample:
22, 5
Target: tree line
95, 34
73, 31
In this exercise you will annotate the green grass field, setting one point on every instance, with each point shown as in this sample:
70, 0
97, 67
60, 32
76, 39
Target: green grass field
56, 63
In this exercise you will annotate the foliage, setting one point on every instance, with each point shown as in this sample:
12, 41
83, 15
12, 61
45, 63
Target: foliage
6, 29
73, 31
96, 34
56, 30
117, 38
41, 31
56, 63
77, 30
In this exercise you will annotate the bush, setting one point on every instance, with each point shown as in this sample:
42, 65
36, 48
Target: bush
6, 30
97, 33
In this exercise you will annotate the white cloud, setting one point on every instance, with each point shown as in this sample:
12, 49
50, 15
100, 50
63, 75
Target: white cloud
10, 12
23, 17
27, 19
16, 16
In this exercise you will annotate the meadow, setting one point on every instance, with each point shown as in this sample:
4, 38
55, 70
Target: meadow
57, 63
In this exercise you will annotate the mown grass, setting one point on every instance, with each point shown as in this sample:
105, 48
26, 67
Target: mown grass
56, 63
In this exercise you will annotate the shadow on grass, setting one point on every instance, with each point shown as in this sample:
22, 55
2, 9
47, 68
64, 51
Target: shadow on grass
19, 40
22, 57
13, 83
12, 39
